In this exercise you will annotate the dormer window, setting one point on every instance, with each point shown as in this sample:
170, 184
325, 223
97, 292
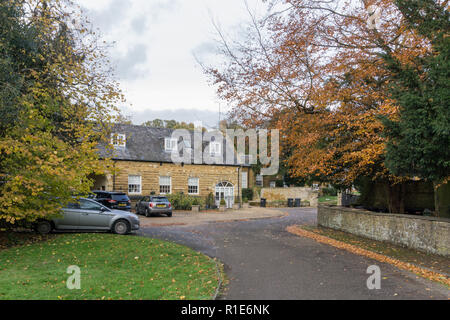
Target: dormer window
215, 148
118, 140
170, 144
187, 144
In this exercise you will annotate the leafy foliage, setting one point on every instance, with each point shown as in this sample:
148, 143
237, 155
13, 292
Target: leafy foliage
317, 71
181, 201
56, 87
247, 193
419, 140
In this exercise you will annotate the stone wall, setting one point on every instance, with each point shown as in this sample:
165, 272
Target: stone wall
304, 193
209, 176
427, 234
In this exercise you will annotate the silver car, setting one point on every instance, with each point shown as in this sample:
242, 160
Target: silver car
154, 205
86, 214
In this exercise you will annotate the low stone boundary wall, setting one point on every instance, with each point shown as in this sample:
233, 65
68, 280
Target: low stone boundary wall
282, 194
427, 234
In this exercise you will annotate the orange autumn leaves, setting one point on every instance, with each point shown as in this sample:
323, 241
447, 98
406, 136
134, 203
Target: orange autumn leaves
425, 273
314, 70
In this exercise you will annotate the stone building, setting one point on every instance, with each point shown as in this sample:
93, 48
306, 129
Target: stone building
144, 164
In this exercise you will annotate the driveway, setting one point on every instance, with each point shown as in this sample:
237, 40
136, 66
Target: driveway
263, 261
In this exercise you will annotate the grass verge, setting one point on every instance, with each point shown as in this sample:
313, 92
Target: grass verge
432, 267
331, 200
112, 268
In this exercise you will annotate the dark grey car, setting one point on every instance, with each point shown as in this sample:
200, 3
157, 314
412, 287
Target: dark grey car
87, 214
152, 205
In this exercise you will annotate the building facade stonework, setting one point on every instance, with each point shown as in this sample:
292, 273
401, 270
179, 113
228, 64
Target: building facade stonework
143, 166
149, 173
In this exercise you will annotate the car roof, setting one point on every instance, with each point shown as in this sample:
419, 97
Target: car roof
109, 192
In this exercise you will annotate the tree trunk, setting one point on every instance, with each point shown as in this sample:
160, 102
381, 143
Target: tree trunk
396, 198
436, 199
402, 197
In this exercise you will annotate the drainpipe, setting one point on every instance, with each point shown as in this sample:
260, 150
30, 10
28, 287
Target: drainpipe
114, 176
239, 187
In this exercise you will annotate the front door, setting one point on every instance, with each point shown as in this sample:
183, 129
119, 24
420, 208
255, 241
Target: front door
225, 191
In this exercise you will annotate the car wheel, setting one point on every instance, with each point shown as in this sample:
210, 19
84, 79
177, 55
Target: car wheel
169, 215
137, 210
147, 213
121, 227
43, 227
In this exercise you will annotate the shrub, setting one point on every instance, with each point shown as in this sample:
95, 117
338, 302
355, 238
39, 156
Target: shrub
181, 201
210, 203
244, 200
247, 193
222, 202
279, 183
329, 191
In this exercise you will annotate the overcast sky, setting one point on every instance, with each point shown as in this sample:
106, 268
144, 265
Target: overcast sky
155, 42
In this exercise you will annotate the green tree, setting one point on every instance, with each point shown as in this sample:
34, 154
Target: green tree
169, 124
55, 87
419, 141
157, 123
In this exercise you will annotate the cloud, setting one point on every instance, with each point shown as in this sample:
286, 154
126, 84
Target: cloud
106, 18
139, 24
132, 64
163, 6
205, 49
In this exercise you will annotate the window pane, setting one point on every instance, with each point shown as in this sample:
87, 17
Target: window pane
193, 185
170, 144
259, 180
244, 180
134, 184
89, 205
134, 180
164, 184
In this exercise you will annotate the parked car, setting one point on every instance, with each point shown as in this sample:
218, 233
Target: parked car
87, 214
151, 205
113, 200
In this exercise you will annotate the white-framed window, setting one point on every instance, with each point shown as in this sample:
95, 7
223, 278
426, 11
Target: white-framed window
170, 144
165, 185
244, 180
259, 180
193, 185
118, 140
215, 148
273, 184
134, 184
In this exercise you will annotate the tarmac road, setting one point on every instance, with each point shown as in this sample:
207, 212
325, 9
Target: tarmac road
263, 261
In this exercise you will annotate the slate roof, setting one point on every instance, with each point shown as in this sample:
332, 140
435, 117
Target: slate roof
148, 144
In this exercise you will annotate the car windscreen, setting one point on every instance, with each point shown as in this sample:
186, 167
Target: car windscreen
120, 197
160, 199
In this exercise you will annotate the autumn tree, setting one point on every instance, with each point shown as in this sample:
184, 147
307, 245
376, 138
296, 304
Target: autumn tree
56, 88
314, 69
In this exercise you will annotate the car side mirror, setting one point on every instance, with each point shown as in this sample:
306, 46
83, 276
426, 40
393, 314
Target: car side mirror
103, 209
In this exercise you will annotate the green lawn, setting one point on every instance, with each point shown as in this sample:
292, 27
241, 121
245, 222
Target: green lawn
328, 200
112, 267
